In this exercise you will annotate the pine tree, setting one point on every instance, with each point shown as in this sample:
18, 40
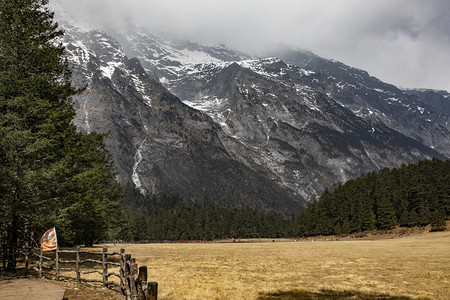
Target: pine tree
386, 218
91, 207
42, 156
437, 221
345, 228
368, 220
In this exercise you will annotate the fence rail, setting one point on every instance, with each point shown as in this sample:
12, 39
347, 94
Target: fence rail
132, 279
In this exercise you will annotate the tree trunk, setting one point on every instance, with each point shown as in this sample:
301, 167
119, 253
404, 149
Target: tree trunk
11, 247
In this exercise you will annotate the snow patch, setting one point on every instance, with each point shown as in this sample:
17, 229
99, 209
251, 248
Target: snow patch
86, 116
207, 104
421, 109
307, 72
78, 56
259, 66
393, 99
311, 105
213, 107
109, 69
141, 89
196, 57
137, 160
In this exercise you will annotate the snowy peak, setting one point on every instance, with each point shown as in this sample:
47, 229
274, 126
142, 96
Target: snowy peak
108, 51
95, 47
169, 61
375, 101
271, 132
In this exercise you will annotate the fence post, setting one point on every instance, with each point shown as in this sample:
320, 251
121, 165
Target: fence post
77, 265
105, 266
122, 270
4, 254
152, 291
41, 253
57, 263
26, 257
142, 286
127, 277
133, 280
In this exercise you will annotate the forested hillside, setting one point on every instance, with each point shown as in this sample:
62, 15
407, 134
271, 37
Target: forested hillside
412, 195
164, 217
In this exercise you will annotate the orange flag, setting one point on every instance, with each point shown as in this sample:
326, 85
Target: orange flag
49, 241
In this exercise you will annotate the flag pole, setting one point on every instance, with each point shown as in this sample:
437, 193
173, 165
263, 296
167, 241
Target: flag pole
56, 238
57, 262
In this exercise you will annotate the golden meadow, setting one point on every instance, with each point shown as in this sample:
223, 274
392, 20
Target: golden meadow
411, 267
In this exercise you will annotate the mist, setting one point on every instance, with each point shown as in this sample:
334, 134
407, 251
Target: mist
403, 42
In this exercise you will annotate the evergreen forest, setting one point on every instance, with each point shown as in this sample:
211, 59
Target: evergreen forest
412, 195
169, 217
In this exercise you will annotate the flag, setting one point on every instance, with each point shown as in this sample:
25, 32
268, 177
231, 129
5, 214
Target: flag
49, 241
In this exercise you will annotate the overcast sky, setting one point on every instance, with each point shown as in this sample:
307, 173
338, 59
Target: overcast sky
403, 42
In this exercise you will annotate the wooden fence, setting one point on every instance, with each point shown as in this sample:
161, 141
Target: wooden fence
132, 280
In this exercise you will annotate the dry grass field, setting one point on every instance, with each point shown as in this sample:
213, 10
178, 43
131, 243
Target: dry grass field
413, 267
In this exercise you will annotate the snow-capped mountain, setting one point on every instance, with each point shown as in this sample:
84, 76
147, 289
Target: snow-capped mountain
270, 133
185, 67
158, 143
422, 116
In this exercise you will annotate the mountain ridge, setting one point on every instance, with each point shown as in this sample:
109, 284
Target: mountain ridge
248, 132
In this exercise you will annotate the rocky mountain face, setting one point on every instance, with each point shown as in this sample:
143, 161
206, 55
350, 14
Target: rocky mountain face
158, 143
269, 133
420, 114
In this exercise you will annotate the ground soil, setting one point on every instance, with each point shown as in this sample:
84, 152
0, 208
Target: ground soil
88, 291
73, 291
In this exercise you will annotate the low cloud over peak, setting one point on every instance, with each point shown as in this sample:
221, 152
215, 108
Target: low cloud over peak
404, 42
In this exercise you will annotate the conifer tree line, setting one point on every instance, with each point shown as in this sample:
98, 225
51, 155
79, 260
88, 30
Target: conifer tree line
50, 174
412, 195
169, 217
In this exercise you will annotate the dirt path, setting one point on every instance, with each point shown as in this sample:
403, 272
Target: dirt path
47, 289
84, 291
32, 289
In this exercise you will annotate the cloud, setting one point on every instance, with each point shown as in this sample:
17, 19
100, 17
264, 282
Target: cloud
404, 42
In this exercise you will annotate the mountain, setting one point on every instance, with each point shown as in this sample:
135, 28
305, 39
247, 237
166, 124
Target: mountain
158, 143
420, 114
269, 133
